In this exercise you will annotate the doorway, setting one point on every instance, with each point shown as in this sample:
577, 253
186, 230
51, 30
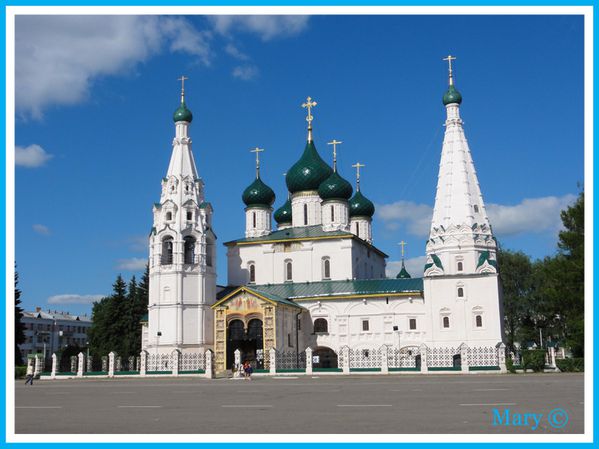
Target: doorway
248, 341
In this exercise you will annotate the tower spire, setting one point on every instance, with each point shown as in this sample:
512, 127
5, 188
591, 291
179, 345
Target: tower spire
257, 151
182, 79
357, 166
309, 104
334, 142
450, 58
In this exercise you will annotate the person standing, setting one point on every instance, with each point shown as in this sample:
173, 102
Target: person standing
29, 375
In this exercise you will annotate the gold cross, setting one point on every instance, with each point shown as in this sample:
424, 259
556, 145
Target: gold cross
309, 104
402, 244
449, 59
182, 79
257, 151
334, 142
357, 166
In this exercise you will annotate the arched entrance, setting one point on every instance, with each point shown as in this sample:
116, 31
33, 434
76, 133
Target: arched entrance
323, 357
248, 341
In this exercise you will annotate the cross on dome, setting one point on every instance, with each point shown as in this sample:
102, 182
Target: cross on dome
450, 58
334, 142
309, 104
257, 151
402, 244
182, 79
357, 166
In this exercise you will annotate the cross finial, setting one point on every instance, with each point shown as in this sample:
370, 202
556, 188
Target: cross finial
357, 166
402, 244
449, 59
309, 104
182, 79
257, 151
334, 142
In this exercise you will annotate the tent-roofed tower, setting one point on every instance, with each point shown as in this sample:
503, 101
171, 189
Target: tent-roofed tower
182, 253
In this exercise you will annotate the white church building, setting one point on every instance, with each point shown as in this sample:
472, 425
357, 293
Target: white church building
318, 281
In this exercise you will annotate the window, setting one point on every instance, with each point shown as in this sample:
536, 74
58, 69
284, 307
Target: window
332, 213
189, 215
475, 208
412, 324
167, 251
189, 249
365, 325
288, 270
305, 215
289, 341
479, 321
460, 266
460, 292
209, 252
357, 229
326, 268
169, 216
445, 322
254, 219
252, 270
321, 326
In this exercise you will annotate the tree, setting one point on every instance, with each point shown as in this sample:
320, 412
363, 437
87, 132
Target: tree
19, 326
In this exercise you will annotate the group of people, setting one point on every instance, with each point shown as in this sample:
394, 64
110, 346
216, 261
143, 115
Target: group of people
244, 370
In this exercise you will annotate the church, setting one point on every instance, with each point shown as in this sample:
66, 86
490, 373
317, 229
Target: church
317, 279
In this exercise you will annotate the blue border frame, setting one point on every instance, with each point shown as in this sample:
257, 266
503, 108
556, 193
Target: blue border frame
274, 3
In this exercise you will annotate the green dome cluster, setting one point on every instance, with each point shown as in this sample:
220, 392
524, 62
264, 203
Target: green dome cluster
283, 214
360, 206
335, 188
452, 96
308, 172
258, 194
182, 114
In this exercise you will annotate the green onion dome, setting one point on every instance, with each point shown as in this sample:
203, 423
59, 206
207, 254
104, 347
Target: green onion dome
452, 96
335, 188
283, 214
182, 114
403, 274
360, 206
309, 172
258, 194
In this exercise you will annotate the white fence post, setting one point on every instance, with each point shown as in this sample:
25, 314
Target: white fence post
38, 366
54, 366
111, 357
384, 359
552, 357
209, 374
273, 360
423, 358
308, 360
143, 365
464, 358
175, 357
501, 357
80, 364
345, 352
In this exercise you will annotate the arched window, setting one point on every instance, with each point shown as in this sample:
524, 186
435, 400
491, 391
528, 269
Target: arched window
189, 215
446, 322
288, 271
460, 292
479, 320
169, 216
189, 247
332, 213
321, 326
254, 219
209, 252
167, 251
252, 270
460, 266
475, 208
305, 215
326, 268
357, 229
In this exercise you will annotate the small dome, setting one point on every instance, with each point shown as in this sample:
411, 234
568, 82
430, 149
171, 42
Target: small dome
309, 172
403, 274
283, 214
452, 96
258, 194
335, 188
182, 114
360, 206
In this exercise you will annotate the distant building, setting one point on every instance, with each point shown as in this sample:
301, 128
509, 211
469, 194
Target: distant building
47, 332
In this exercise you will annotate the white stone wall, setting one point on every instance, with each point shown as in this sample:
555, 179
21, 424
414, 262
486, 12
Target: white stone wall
313, 208
261, 217
361, 227
338, 220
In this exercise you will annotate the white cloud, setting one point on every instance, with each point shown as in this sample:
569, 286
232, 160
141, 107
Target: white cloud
267, 27
245, 72
235, 52
58, 57
532, 215
41, 229
414, 266
133, 264
415, 217
74, 299
31, 156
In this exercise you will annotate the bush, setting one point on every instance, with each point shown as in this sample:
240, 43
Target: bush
20, 372
573, 365
509, 364
533, 359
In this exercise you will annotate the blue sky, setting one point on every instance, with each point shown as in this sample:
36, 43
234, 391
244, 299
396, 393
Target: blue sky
95, 97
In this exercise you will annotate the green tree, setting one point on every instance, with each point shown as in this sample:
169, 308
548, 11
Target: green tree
19, 326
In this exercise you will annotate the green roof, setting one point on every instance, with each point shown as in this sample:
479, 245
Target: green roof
360, 206
485, 256
204, 205
335, 188
283, 213
452, 96
403, 274
182, 114
258, 194
308, 172
291, 291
